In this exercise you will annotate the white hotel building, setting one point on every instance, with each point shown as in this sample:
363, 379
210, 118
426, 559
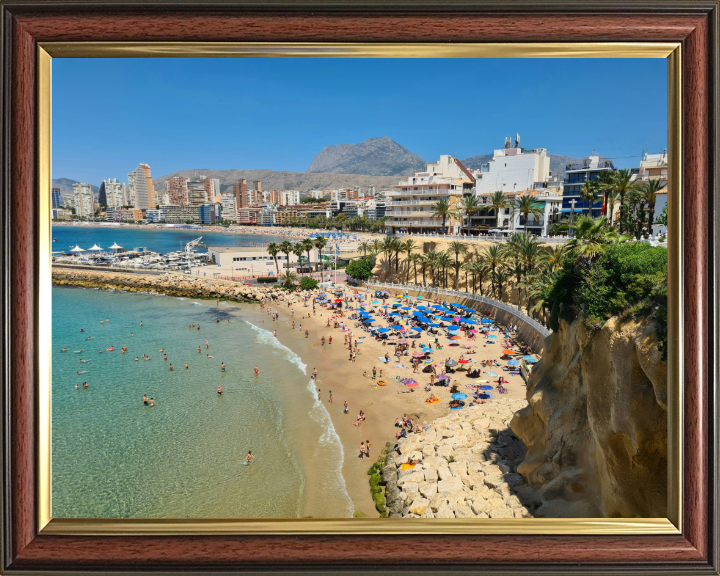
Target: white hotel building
513, 169
412, 202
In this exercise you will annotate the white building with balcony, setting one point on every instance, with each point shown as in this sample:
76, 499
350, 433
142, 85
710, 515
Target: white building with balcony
510, 220
412, 202
83, 199
513, 169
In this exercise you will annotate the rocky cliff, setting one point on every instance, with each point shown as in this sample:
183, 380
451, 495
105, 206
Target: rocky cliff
377, 156
596, 422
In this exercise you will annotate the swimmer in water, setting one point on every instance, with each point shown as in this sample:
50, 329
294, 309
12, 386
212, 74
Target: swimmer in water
164, 356
152, 403
141, 323
186, 366
249, 458
145, 399
63, 350
219, 390
198, 349
77, 386
210, 356
222, 366
256, 370
85, 384
161, 350
171, 367
132, 333
137, 359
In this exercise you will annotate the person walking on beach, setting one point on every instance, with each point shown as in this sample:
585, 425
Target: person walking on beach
374, 372
346, 409
222, 366
367, 447
330, 401
206, 345
318, 393
362, 450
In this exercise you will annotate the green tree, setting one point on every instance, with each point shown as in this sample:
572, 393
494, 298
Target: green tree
494, 256
444, 210
526, 205
591, 234
308, 245
320, 243
444, 262
496, 201
299, 249
456, 247
286, 248
273, 249
649, 194
364, 246
308, 283
408, 246
288, 279
468, 206
623, 184
362, 268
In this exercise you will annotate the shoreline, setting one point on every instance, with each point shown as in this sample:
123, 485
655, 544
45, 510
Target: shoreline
336, 373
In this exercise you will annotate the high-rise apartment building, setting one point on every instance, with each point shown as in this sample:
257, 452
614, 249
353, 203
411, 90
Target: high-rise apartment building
289, 197
257, 185
177, 190
241, 196
55, 198
197, 193
229, 207
83, 199
274, 197
142, 189
113, 193
513, 169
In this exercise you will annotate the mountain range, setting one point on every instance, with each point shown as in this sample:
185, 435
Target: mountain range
378, 162
66, 185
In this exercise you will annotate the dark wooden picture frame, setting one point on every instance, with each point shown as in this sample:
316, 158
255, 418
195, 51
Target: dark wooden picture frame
694, 25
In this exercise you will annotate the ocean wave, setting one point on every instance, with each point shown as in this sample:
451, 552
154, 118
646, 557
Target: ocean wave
329, 437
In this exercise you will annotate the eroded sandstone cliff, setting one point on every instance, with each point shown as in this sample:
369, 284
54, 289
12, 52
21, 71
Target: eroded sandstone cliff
596, 422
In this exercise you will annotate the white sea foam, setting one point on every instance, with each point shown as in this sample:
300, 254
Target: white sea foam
329, 438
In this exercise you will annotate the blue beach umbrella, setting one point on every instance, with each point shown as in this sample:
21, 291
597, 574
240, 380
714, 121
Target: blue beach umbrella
492, 336
416, 329
447, 319
434, 325
459, 396
394, 314
485, 396
486, 321
406, 308
376, 302
437, 305
397, 327
454, 328
471, 322
513, 362
396, 305
427, 350
530, 359
369, 320
383, 330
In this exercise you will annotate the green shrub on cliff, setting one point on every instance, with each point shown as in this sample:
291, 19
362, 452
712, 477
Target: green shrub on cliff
307, 283
626, 279
362, 268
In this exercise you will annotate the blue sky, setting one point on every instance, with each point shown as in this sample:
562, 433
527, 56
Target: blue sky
176, 114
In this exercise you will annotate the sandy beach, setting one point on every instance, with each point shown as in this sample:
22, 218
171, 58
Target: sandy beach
382, 405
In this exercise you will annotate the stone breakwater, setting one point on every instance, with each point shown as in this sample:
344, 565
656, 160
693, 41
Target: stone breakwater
468, 469
171, 284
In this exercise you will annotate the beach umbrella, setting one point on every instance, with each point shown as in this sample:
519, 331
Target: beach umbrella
513, 362
394, 314
369, 320
416, 329
77, 249
376, 302
95, 248
471, 322
486, 321
446, 319
397, 327
396, 305
437, 305
485, 396
383, 330
422, 307
402, 341
530, 359
508, 352
410, 382
473, 331
454, 328
451, 363
427, 350
434, 325
492, 336
486, 387
418, 355
429, 361
443, 377
463, 361
115, 246
454, 338
459, 396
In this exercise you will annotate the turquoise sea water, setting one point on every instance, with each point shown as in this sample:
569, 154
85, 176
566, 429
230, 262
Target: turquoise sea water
156, 239
115, 457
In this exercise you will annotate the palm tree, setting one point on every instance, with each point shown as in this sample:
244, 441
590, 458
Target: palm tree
482, 272
308, 245
518, 270
499, 278
397, 247
444, 262
273, 249
431, 264
424, 265
376, 246
590, 234
443, 209
289, 278
623, 185
408, 246
469, 205
496, 201
320, 243
590, 193
606, 185
526, 205
457, 248
365, 246
286, 248
554, 257
299, 249
469, 269
494, 256
649, 192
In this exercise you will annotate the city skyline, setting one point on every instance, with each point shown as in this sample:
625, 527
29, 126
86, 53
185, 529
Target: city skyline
276, 114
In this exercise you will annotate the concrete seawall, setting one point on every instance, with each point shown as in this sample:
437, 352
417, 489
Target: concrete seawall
171, 284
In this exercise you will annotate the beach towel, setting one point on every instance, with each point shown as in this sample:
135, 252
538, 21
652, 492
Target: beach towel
406, 466
382, 359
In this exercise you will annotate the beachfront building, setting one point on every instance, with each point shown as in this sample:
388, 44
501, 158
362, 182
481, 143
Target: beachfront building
174, 214
576, 176
510, 220
252, 261
229, 208
414, 199
375, 209
60, 214
266, 216
113, 193
512, 169
154, 215
654, 166
142, 189
287, 214
83, 200
248, 215
209, 213
55, 198
241, 194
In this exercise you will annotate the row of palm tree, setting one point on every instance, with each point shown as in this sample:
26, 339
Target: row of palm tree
298, 248
523, 261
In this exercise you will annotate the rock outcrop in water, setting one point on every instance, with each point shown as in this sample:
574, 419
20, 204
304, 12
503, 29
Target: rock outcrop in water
171, 284
468, 469
596, 422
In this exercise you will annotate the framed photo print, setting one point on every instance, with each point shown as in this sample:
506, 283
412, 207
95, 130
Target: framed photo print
298, 287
